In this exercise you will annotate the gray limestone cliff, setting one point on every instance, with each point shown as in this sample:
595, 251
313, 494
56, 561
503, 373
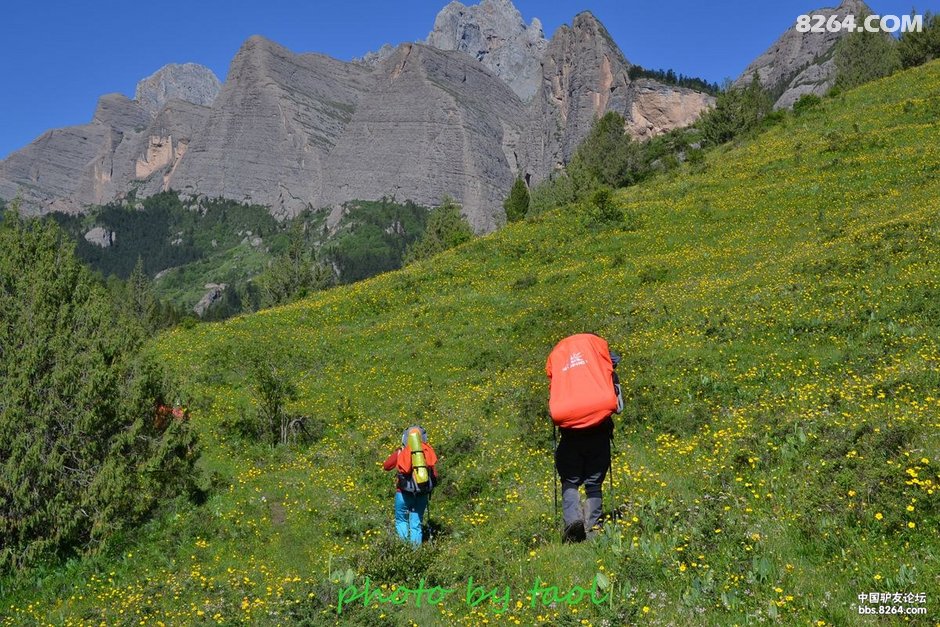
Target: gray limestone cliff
434, 124
271, 128
494, 33
584, 75
187, 81
67, 169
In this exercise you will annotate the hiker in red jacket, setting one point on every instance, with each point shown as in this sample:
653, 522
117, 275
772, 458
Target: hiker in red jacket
415, 462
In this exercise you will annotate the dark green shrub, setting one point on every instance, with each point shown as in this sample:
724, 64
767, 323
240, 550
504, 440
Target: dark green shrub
272, 390
552, 193
601, 209
652, 274
805, 103
84, 450
738, 110
295, 273
918, 48
517, 203
861, 57
390, 560
608, 156
446, 228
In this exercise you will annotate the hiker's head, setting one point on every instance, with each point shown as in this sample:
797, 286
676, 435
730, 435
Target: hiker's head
404, 435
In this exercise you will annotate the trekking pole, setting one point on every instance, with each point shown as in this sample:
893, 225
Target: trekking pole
614, 510
430, 532
555, 474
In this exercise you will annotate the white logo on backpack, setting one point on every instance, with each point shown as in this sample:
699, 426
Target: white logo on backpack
574, 361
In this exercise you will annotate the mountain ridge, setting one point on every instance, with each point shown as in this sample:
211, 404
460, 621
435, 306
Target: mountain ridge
269, 134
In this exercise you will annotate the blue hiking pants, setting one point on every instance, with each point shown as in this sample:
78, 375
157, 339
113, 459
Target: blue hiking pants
409, 510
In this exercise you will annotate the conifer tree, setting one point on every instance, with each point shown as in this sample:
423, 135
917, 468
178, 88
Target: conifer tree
141, 300
916, 48
517, 203
446, 228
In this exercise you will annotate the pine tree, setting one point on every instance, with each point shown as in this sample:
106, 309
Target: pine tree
608, 156
517, 203
916, 48
141, 300
446, 228
861, 57
737, 110
295, 273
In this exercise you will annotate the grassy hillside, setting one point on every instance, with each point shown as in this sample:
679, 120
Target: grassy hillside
778, 310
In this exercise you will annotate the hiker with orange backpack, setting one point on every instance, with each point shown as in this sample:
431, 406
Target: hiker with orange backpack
415, 462
584, 393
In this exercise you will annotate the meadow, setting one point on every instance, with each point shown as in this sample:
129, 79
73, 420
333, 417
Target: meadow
777, 307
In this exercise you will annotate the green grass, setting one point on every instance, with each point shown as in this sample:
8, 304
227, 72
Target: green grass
778, 310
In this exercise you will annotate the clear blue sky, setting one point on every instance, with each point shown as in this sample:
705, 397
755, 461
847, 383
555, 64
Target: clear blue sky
57, 57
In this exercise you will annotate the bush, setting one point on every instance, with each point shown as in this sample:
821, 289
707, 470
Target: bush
446, 228
552, 193
805, 103
607, 156
85, 451
601, 209
273, 390
266, 419
738, 110
294, 274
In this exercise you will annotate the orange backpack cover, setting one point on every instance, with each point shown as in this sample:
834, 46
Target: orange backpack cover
404, 457
580, 391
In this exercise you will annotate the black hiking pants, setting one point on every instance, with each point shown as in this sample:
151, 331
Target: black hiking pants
583, 457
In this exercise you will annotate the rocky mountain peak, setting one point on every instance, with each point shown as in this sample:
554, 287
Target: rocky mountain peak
187, 81
856, 5
376, 56
251, 56
494, 33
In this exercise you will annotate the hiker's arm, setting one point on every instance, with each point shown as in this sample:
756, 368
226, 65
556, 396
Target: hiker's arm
391, 462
